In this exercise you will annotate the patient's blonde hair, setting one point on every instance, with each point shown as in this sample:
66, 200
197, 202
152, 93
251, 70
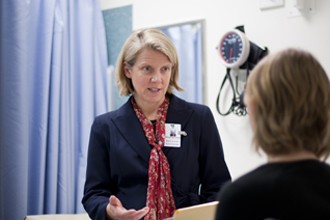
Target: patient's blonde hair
291, 93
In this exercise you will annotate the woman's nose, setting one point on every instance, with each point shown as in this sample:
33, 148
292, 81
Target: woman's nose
155, 77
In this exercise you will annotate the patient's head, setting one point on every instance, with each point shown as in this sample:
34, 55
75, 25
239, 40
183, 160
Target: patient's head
288, 100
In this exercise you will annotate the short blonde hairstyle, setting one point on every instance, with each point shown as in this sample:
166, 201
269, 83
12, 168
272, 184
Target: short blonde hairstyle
135, 43
291, 95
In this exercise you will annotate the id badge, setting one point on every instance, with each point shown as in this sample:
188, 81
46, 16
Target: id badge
172, 135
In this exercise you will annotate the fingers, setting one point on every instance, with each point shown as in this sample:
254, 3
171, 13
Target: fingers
142, 212
114, 208
132, 214
116, 211
114, 201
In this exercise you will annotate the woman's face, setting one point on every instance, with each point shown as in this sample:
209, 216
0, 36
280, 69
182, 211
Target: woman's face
150, 77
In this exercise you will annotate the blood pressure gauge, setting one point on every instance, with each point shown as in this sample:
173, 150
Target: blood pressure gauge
234, 48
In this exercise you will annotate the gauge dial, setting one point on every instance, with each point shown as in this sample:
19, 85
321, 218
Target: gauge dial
234, 48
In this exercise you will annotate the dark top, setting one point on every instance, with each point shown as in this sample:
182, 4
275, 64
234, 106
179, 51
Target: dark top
283, 190
118, 157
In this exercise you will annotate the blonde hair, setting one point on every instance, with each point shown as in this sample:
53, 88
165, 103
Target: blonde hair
138, 40
291, 95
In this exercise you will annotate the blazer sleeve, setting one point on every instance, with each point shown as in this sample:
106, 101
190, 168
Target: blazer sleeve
97, 189
214, 171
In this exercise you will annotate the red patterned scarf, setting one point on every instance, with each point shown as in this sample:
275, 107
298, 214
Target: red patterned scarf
159, 196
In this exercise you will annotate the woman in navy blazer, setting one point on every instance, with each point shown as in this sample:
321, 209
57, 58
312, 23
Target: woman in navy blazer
116, 184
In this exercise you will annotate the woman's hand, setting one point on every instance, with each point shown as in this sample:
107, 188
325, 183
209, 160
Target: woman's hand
116, 211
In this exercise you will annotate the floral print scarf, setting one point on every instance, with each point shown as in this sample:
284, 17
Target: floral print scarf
159, 196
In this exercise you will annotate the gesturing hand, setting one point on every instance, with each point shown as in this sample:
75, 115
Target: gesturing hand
116, 211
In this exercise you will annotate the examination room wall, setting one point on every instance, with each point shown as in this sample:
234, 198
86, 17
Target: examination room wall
275, 28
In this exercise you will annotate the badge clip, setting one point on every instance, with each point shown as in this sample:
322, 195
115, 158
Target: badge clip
183, 133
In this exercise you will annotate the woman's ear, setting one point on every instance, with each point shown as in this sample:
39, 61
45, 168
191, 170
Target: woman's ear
127, 72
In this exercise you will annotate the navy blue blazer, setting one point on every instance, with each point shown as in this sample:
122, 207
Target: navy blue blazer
119, 152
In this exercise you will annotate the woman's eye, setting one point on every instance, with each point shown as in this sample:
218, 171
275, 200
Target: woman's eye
146, 69
166, 69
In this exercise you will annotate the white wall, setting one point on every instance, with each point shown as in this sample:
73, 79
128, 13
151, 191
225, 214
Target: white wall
272, 28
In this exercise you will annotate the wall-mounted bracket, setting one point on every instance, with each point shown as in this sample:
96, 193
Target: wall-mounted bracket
301, 8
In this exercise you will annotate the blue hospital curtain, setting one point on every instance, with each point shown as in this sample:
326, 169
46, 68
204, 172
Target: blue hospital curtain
52, 85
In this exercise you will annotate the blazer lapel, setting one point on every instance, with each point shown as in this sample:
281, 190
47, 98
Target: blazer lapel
178, 112
131, 130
